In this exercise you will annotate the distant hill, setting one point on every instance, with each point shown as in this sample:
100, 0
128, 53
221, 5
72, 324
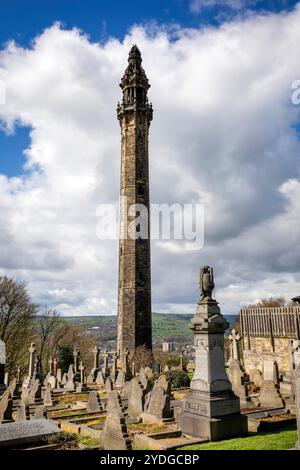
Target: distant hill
165, 325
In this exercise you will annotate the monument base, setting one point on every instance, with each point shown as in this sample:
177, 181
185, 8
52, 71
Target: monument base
212, 416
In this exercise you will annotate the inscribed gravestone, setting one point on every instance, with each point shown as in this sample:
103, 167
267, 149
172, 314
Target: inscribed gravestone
20, 433
40, 412
114, 435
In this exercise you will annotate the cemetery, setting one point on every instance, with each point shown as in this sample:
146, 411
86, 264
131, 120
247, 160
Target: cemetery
113, 406
125, 398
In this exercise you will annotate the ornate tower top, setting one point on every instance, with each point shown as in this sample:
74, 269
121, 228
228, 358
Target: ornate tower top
135, 85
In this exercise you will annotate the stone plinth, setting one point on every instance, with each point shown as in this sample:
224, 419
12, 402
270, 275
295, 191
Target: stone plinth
210, 409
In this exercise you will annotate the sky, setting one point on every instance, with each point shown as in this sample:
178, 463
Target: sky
225, 133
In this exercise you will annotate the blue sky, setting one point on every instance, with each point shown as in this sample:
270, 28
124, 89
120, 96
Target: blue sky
100, 19
224, 134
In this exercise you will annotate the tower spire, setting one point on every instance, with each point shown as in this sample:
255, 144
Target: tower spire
134, 291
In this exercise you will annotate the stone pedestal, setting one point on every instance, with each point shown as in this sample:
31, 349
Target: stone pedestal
211, 409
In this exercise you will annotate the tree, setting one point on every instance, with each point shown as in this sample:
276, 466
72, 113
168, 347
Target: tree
269, 302
142, 357
16, 315
48, 323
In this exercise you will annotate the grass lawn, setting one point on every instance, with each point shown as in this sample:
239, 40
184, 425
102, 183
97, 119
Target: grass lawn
280, 440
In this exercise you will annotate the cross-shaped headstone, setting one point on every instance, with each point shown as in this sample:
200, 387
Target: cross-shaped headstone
234, 337
32, 351
76, 355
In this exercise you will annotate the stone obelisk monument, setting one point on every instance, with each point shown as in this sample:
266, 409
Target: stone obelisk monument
134, 293
210, 408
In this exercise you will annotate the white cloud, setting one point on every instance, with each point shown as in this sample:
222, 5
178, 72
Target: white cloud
222, 134
199, 5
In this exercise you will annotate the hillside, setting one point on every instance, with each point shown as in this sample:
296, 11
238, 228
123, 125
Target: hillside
165, 325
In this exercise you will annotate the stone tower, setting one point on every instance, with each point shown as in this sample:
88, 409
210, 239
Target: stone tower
134, 292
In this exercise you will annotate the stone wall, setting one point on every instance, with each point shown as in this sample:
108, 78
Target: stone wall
261, 349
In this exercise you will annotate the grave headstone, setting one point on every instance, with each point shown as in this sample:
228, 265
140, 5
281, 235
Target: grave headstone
136, 398
100, 378
40, 412
237, 378
48, 397
6, 404
121, 378
270, 371
22, 413
269, 396
59, 376
64, 379
93, 403
26, 432
234, 338
114, 401
35, 392
114, 435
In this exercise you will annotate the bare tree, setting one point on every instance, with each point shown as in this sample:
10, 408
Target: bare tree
269, 302
142, 357
48, 323
16, 315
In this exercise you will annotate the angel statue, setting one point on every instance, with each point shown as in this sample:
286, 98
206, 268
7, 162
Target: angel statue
206, 282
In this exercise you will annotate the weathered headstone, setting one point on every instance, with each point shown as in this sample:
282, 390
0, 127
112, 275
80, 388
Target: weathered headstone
76, 355
51, 381
6, 404
121, 378
100, 378
234, 339
22, 413
270, 371
70, 385
64, 379
114, 401
48, 397
114, 435
269, 396
35, 392
136, 398
26, 432
40, 412
237, 378
159, 406
93, 403
59, 376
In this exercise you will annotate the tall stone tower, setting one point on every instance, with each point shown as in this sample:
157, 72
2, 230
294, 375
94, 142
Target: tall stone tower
134, 293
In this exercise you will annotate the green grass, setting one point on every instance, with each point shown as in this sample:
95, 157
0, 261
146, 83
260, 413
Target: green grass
280, 440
